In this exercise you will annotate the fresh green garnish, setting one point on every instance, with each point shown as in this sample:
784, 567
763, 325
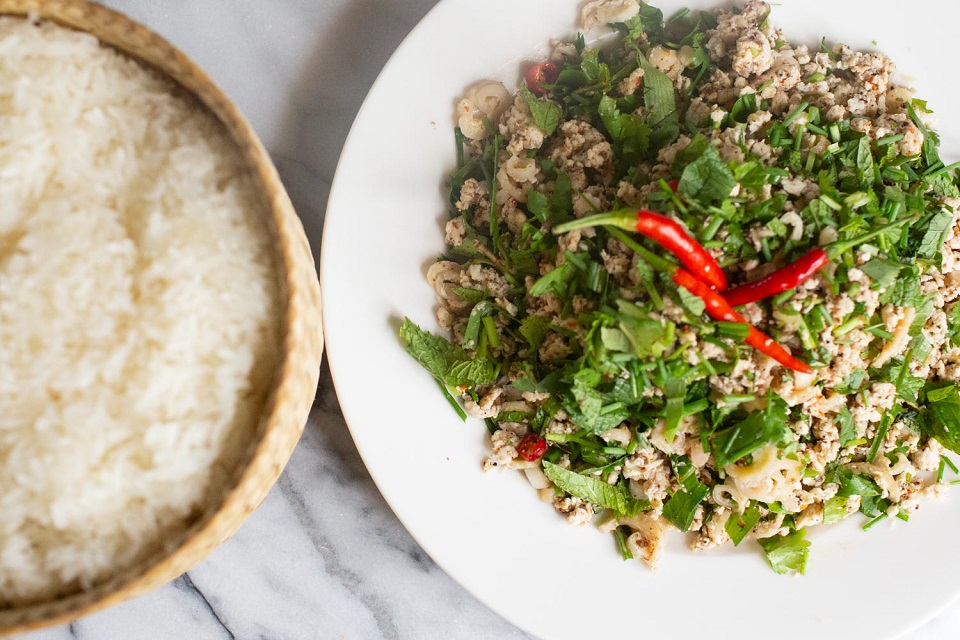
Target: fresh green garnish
681, 508
448, 363
739, 525
787, 553
593, 489
756, 430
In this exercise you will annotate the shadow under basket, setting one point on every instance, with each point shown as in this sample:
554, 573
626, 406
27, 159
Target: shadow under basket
287, 405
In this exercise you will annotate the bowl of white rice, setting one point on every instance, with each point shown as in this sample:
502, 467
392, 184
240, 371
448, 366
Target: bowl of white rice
160, 332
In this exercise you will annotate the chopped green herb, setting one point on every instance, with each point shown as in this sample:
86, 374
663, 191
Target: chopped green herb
593, 489
787, 553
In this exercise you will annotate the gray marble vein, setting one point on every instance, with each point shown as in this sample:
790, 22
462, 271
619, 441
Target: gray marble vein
324, 557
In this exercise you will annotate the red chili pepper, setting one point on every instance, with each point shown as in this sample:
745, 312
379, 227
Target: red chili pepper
532, 447
780, 280
802, 268
665, 231
674, 239
718, 308
539, 75
673, 184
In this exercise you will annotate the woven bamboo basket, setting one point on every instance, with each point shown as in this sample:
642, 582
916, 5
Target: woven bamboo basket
285, 411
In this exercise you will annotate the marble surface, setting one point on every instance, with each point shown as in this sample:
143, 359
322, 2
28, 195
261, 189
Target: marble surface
324, 557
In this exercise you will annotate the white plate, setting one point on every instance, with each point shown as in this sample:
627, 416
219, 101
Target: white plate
489, 531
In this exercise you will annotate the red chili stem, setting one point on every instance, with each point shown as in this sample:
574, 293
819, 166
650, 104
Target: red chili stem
780, 280
718, 308
665, 231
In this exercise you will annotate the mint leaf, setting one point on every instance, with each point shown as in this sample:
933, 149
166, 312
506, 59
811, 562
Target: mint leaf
865, 172
538, 205
615, 340
882, 271
592, 489
904, 291
787, 553
447, 362
648, 336
590, 410
707, 178
943, 185
940, 417
852, 383
757, 429
897, 371
693, 303
546, 114
659, 98
534, 330
470, 295
935, 234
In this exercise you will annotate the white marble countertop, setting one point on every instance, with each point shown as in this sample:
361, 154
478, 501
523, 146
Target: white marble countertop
324, 557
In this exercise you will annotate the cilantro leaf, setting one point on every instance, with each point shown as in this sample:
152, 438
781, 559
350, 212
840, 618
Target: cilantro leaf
546, 114
739, 525
787, 553
682, 506
855, 484
897, 371
707, 178
848, 430
852, 383
757, 429
630, 134
555, 281
597, 72
835, 509
593, 489
448, 363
